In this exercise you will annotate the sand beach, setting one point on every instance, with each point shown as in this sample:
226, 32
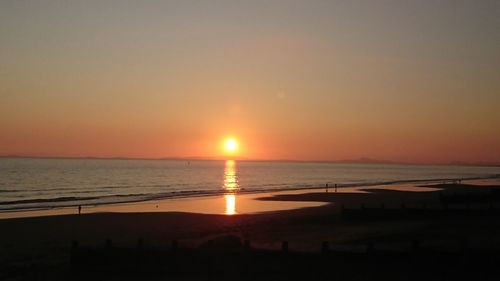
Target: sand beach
381, 217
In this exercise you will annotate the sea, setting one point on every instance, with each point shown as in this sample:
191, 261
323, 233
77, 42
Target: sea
41, 183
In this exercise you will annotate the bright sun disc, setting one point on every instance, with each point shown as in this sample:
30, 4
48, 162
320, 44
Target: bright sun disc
230, 145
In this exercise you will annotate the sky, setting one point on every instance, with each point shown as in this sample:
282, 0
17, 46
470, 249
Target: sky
406, 81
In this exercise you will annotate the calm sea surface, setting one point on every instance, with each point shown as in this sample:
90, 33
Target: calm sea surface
44, 183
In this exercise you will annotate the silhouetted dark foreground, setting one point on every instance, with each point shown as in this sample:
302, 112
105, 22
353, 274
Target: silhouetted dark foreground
451, 234
226, 258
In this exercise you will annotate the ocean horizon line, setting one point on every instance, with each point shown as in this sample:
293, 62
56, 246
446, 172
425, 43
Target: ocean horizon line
361, 160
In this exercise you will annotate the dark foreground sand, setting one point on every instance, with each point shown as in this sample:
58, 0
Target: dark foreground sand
441, 225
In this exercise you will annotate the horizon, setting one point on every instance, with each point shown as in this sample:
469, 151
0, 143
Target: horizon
314, 81
362, 160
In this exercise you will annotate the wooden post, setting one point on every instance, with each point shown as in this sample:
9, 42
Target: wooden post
464, 245
415, 245
284, 246
74, 245
175, 245
247, 244
369, 247
325, 247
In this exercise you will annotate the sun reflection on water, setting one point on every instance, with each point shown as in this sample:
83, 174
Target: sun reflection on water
230, 204
231, 186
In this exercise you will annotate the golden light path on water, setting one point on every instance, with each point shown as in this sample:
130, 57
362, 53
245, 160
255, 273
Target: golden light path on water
230, 204
231, 185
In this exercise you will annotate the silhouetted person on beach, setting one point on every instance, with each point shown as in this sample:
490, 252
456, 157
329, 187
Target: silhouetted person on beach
79, 209
326, 187
335, 187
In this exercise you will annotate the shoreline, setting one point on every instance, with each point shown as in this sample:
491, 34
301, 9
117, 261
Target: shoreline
225, 203
209, 193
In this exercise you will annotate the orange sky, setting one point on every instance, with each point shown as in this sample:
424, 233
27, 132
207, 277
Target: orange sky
302, 80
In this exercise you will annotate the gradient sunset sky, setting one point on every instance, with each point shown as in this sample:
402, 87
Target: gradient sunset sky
412, 81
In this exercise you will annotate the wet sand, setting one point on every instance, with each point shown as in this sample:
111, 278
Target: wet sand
228, 204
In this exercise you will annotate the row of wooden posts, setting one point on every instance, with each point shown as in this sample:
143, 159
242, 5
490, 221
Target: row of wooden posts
325, 245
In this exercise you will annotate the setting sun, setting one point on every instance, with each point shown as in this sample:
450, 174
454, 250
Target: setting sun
230, 145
